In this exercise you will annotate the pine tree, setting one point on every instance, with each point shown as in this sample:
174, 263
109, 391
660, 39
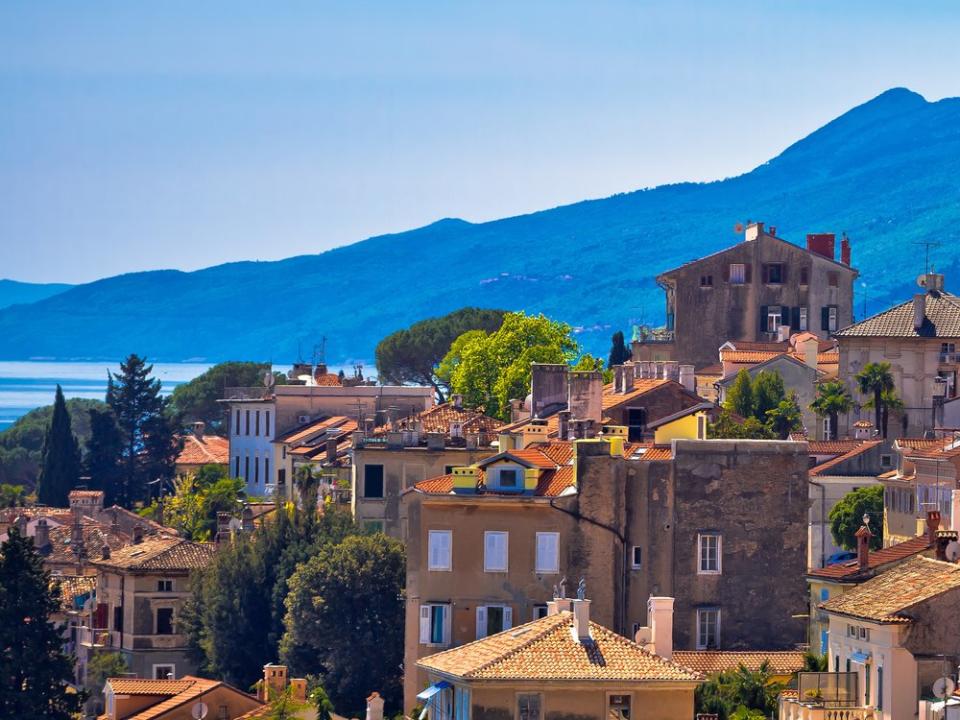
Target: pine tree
148, 448
739, 398
103, 451
619, 353
34, 670
61, 457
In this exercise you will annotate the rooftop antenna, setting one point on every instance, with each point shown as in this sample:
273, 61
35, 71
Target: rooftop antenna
927, 244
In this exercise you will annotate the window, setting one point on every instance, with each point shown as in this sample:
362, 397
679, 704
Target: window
833, 279
492, 619
448, 469
164, 621
803, 318
548, 553
248, 422
266, 470
507, 478
539, 611
435, 624
866, 684
738, 273
774, 318
164, 585
440, 544
256, 430
886, 461
618, 707
804, 276
236, 466
706, 281
824, 594
164, 672
775, 273
266, 423
236, 424
373, 481
879, 688
708, 628
246, 468
636, 557
528, 706
495, 551
827, 429
709, 554
118, 618
282, 476
832, 319
461, 703
256, 470
636, 424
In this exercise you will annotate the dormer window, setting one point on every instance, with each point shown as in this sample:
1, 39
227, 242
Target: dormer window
508, 478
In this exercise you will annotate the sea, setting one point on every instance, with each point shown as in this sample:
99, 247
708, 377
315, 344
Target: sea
32, 384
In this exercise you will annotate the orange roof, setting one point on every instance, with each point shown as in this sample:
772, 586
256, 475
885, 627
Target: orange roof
649, 453
159, 553
305, 432
712, 662
743, 357
546, 649
831, 447
92, 494
210, 449
825, 467
920, 443
176, 693
850, 570
439, 418
530, 456
95, 535
73, 586
139, 686
641, 386
327, 380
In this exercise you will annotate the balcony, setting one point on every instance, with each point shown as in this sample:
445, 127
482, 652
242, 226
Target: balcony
95, 638
949, 358
825, 696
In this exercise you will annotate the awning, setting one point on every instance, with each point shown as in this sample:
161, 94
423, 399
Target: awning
860, 658
429, 696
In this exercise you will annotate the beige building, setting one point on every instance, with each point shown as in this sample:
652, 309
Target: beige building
324, 446
919, 340
174, 699
562, 665
199, 448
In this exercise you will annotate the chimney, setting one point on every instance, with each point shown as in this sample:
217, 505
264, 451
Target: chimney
581, 620
21, 523
671, 370
618, 379
331, 450
374, 706
563, 420
457, 401
274, 681
845, 249
105, 552
660, 618
76, 535
548, 388
773, 231
863, 536
823, 244
811, 348
688, 378
753, 231
199, 428
137, 534
516, 410
41, 534
919, 310
585, 394
933, 524
298, 689
435, 441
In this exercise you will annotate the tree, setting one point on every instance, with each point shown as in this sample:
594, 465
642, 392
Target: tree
739, 398
12, 495
749, 429
846, 517
785, 417
61, 458
767, 393
357, 584
413, 354
875, 379
104, 665
197, 400
589, 362
34, 671
739, 694
832, 400
149, 450
619, 353
812, 662
192, 508
103, 452
888, 401
490, 369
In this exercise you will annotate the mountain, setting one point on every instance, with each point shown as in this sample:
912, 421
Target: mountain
16, 293
886, 172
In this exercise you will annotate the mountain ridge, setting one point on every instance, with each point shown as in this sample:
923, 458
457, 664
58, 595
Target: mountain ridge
15, 292
886, 172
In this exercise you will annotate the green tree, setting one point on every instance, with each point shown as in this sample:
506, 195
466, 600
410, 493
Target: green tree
739, 398
888, 401
728, 428
61, 458
34, 670
12, 495
785, 417
589, 362
846, 517
619, 353
149, 449
812, 662
192, 508
875, 379
197, 400
104, 665
412, 355
322, 702
357, 584
103, 452
768, 393
739, 694
490, 369
832, 400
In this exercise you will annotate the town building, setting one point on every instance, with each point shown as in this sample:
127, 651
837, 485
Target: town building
918, 339
562, 665
131, 698
200, 448
782, 665
925, 479
141, 589
760, 290
324, 446
487, 543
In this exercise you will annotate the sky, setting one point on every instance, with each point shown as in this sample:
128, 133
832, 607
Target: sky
184, 134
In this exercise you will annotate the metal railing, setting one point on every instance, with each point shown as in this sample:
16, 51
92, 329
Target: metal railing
247, 393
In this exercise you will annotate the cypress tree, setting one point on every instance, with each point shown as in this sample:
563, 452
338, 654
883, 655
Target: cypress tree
34, 671
103, 451
61, 457
619, 353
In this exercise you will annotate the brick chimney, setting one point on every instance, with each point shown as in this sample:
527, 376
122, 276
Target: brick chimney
919, 310
137, 534
331, 450
374, 706
823, 244
298, 689
274, 682
41, 534
199, 429
863, 536
660, 617
585, 394
933, 524
457, 401
845, 249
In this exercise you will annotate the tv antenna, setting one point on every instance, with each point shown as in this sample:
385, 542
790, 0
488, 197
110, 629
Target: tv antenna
927, 244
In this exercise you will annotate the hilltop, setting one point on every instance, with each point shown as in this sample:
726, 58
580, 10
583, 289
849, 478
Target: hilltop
16, 293
887, 172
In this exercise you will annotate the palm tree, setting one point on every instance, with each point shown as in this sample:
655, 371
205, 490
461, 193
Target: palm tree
307, 484
888, 401
876, 379
832, 400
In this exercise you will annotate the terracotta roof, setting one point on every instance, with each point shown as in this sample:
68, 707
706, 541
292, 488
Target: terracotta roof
942, 319
202, 451
650, 453
715, 369
711, 662
920, 443
439, 418
159, 553
888, 597
73, 586
774, 347
327, 380
529, 456
850, 570
831, 447
545, 649
92, 494
175, 693
95, 536
641, 386
742, 357
139, 686
824, 468
306, 432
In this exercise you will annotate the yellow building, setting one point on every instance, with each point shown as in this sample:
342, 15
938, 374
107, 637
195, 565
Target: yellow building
561, 664
688, 424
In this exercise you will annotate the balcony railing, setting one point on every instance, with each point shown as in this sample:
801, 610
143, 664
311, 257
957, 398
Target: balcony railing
98, 637
825, 696
247, 393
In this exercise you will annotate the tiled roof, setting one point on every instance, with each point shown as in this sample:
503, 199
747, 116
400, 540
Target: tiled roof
139, 686
831, 447
91, 494
176, 694
648, 452
159, 553
751, 357
95, 536
73, 586
920, 443
439, 418
641, 386
529, 456
210, 449
545, 649
888, 597
774, 347
715, 369
303, 433
850, 570
328, 380
942, 319
711, 662
825, 468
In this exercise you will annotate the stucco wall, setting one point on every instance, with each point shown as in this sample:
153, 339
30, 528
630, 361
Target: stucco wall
583, 702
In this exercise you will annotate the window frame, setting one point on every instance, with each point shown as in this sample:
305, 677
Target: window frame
774, 311
483, 619
446, 624
539, 611
554, 569
487, 567
172, 621
803, 322
769, 273
833, 318
701, 537
702, 643
516, 705
636, 550
738, 278
383, 482
156, 666
165, 585
706, 281
449, 564
611, 695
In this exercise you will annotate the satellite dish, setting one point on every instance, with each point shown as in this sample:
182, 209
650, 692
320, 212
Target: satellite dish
952, 551
268, 379
922, 280
944, 687
199, 711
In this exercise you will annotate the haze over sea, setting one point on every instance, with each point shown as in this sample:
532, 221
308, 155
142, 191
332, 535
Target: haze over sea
28, 385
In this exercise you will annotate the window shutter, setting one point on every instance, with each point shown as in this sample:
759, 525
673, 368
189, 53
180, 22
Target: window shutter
783, 273
747, 271
447, 622
507, 617
784, 314
763, 318
726, 278
424, 624
795, 318
481, 621
489, 548
824, 318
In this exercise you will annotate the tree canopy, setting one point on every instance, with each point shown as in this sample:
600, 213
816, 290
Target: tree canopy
832, 400
197, 498
740, 694
60, 470
619, 352
846, 517
876, 381
197, 400
768, 411
412, 355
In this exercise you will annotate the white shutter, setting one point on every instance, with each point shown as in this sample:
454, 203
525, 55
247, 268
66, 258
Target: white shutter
489, 548
447, 623
424, 624
481, 621
507, 617
547, 553
439, 549
446, 555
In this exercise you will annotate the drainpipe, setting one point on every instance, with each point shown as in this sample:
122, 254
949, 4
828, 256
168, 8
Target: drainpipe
823, 520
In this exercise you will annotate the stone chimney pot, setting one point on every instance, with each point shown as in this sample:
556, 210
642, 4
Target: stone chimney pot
374, 706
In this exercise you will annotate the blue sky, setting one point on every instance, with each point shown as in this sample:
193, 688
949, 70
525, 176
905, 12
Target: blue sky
140, 135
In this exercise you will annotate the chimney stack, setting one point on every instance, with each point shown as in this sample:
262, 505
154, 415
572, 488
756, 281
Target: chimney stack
919, 310
753, 231
274, 681
298, 689
374, 706
933, 524
331, 450
660, 617
105, 552
863, 536
823, 244
199, 428
563, 421
688, 378
581, 620
845, 250
41, 534
137, 534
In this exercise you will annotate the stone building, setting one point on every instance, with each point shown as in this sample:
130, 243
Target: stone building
751, 292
